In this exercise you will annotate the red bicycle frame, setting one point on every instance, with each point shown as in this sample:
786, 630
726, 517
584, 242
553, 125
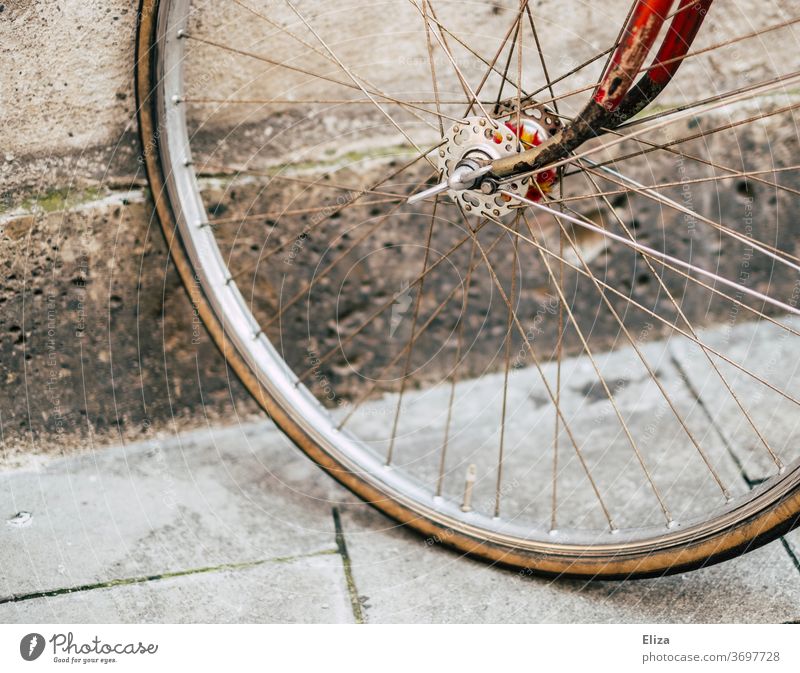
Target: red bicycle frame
617, 98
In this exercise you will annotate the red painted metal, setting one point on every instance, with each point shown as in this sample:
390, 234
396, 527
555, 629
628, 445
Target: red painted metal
640, 34
680, 36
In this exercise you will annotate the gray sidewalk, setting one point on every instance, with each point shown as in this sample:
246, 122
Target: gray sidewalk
235, 525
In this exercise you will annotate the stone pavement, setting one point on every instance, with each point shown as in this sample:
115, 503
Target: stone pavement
236, 525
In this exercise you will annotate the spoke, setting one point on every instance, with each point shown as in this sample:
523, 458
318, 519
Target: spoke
414, 320
277, 214
726, 43
607, 391
456, 365
690, 327
698, 281
699, 103
307, 45
326, 101
429, 7
353, 197
559, 360
652, 147
342, 255
519, 82
504, 75
737, 302
474, 96
514, 28
542, 60
204, 100
327, 78
491, 65
434, 80
669, 147
768, 250
520, 329
507, 366
666, 122
655, 253
654, 315
735, 175
383, 307
640, 355
560, 282
608, 52
373, 386
576, 69
355, 80
322, 181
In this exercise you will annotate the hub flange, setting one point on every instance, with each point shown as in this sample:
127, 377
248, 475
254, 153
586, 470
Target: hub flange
474, 141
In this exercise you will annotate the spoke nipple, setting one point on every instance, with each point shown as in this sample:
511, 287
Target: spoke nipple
176, 100
672, 524
187, 162
181, 33
469, 484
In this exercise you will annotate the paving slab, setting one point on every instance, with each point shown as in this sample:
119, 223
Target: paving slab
403, 578
769, 354
216, 497
671, 454
301, 590
431, 584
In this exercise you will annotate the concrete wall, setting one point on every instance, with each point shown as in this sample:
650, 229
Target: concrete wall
97, 339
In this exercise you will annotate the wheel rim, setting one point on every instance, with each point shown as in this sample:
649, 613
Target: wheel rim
246, 332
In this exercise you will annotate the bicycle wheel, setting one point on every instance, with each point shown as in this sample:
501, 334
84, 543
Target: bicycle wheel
585, 368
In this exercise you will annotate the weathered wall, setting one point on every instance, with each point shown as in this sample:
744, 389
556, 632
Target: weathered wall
97, 339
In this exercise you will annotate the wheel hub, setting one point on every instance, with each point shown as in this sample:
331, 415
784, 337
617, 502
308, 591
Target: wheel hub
473, 141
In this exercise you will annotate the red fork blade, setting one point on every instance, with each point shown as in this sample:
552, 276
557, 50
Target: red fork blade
637, 40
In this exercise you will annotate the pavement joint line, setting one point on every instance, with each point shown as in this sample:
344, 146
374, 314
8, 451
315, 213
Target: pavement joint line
127, 581
341, 545
696, 395
751, 483
791, 553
